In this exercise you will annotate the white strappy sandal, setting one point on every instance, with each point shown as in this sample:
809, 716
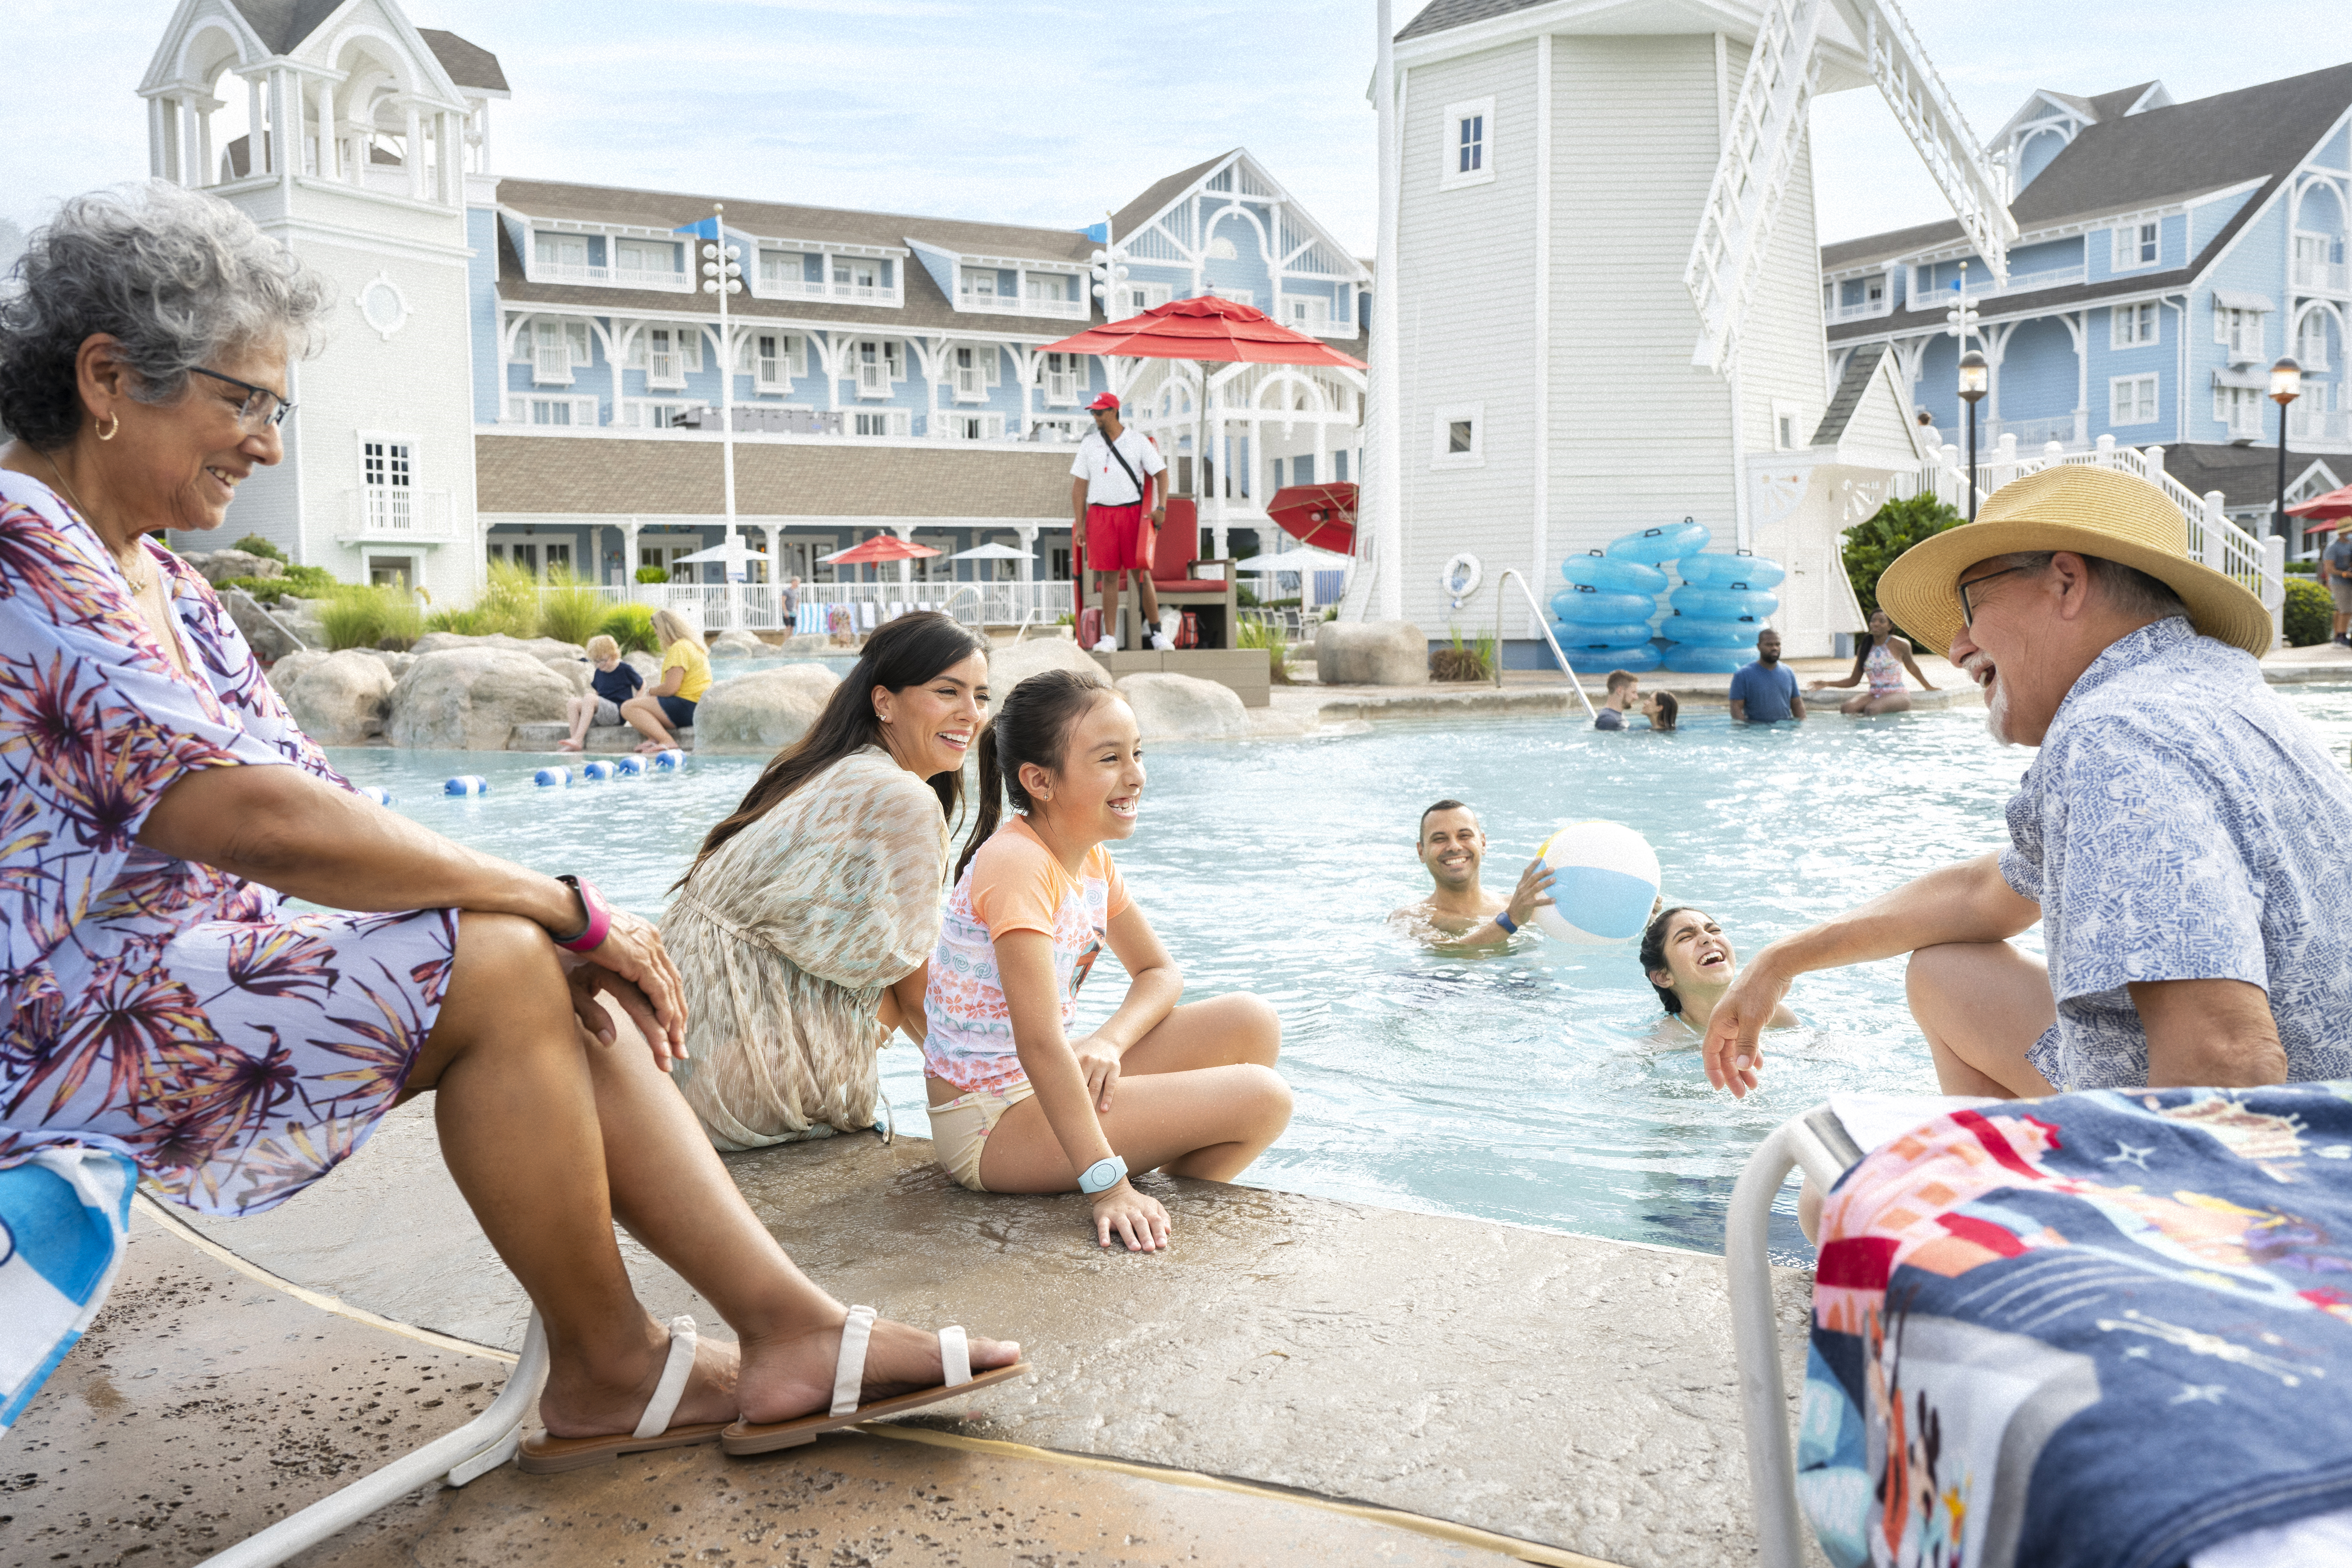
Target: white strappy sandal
546, 1456
849, 1379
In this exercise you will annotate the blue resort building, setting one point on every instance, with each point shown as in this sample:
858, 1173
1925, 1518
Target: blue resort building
2167, 255
530, 370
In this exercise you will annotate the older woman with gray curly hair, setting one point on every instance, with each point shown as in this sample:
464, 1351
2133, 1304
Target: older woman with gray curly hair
167, 1010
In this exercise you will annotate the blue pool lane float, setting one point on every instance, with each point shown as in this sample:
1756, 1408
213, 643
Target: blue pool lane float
552, 778
1594, 570
1701, 632
1723, 603
1601, 661
1594, 608
377, 793
1730, 572
1604, 879
467, 784
1575, 634
598, 771
1656, 546
1696, 658
669, 762
629, 767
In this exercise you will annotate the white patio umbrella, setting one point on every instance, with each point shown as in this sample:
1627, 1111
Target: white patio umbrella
990, 552
1305, 562
737, 554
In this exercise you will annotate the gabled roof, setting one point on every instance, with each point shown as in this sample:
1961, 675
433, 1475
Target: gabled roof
468, 65
2172, 152
2246, 475
1156, 197
1860, 366
281, 24
1439, 16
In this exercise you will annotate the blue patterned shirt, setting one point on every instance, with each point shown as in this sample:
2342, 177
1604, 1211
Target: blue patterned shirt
2179, 823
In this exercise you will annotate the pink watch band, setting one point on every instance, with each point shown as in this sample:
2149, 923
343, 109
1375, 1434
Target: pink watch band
600, 918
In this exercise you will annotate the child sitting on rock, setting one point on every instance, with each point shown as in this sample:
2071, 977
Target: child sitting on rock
613, 684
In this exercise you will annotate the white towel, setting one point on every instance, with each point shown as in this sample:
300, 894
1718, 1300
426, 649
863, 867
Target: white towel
64, 1214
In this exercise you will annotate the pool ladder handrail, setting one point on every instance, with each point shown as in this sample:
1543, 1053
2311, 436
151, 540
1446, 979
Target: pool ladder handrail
1511, 575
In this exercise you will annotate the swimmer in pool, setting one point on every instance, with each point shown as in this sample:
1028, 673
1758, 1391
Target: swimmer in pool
1689, 963
1459, 912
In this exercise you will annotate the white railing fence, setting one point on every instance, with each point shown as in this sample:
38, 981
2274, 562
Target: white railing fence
2258, 563
399, 509
759, 607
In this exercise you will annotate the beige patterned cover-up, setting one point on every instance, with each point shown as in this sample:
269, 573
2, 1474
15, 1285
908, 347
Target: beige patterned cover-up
786, 939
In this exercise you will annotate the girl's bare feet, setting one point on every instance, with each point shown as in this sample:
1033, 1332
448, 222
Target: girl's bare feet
583, 1402
792, 1376
567, 745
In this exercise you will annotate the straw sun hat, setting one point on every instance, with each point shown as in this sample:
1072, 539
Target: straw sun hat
2092, 512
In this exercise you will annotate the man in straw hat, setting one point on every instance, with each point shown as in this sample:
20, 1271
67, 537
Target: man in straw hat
2174, 835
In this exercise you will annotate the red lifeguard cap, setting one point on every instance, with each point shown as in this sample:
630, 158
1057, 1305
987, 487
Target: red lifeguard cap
1108, 400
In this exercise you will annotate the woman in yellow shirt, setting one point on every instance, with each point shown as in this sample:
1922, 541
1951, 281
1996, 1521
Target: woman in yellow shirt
684, 676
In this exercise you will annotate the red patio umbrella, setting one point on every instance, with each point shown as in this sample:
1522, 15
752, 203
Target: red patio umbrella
874, 551
1320, 515
2329, 511
1207, 330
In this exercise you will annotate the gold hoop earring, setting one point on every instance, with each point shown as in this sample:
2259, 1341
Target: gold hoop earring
114, 425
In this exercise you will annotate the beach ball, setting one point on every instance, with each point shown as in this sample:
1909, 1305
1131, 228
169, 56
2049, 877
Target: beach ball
551, 778
670, 761
467, 784
628, 767
597, 769
1606, 879
377, 793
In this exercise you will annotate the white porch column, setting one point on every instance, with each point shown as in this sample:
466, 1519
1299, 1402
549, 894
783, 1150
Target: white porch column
630, 560
255, 129
1222, 551
196, 143
777, 575
155, 139
1028, 533
285, 130
330, 147
411, 155
905, 530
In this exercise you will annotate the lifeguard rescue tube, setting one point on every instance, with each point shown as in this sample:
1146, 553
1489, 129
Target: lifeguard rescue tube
1461, 577
1656, 546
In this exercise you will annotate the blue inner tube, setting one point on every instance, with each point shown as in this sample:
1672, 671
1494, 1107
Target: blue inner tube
1601, 661
1685, 659
1593, 607
1730, 572
1577, 634
1695, 631
1598, 571
1656, 546
1723, 603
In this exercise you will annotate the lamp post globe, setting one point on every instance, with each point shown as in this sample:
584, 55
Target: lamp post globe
1976, 380
2286, 386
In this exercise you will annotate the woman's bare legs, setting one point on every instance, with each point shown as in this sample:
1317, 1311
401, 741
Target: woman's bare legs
1198, 1096
550, 1136
1866, 704
643, 715
1982, 1005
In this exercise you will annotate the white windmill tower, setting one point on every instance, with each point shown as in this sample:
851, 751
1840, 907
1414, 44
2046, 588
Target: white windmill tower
1545, 166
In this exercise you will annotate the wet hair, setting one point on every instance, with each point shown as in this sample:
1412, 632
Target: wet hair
1653, 953
1427, 812
1620, 678
908, 651
176, 277
1032, 724
1668, 710
2129, 590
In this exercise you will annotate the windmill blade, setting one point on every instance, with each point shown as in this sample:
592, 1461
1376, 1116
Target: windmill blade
1766, 127
1899, 66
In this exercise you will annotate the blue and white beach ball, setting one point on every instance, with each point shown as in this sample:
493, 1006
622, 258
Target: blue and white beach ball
629, 767
377, 793
552, 778
670, 761
598, 771
467, 784
1606, 879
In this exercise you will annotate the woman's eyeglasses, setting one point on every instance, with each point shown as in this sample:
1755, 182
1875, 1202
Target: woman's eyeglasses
261, 406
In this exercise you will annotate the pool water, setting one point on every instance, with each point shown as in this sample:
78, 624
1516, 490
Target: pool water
1530, 1088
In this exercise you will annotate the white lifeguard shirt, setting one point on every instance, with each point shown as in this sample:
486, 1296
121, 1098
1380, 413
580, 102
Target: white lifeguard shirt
1106, 482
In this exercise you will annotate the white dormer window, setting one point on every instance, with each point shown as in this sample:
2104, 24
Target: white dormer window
559, 255
2136, 245
635, 258
1469, 150
2132, 326
781, 270
1049, 286
856, 279
979, 287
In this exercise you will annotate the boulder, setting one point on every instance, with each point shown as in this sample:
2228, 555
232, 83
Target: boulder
293, 666
575, 671
219, 565
1371, 653
340, 700
394, 659
1184, 707
300, 617
471, 698
263, 632
762, 712
737, 645
804, 642
645, 664
537, 648
1013, 663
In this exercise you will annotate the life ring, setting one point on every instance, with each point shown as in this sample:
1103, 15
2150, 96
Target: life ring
1461, 577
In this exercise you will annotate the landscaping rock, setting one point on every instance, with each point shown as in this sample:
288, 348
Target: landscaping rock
300, 617
1371, 653
219, 565
293, 666
537, 648
804, 642
762, 712
340, 700
471, 698
1184, 707
738, 645
395, 661
645, 664
263, 632
1010, 665
575, 671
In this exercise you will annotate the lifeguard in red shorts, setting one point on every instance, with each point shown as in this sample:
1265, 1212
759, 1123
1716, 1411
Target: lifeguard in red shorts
1114, 480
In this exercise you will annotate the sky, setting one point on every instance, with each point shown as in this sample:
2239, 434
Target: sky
1049, 112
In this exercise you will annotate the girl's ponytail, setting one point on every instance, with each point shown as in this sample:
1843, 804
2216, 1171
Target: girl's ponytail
991, 800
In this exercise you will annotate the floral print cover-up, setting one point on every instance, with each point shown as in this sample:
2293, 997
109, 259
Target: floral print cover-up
158, 1008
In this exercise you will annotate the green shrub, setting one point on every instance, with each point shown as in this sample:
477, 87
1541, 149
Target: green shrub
570, 610
2303, 568
652, 575
631, 625
465, 623
509, 604
1260, 634
2310, 613
299, 583
254, 544
1872, 546
359, 617
1474, 661
403, 621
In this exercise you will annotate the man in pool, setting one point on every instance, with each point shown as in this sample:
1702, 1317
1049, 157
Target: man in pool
1765, 692
2186, 873
1459, 912
1624, 693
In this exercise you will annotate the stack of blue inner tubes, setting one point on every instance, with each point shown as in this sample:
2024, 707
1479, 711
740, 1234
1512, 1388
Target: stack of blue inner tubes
1602, 620
1718, 611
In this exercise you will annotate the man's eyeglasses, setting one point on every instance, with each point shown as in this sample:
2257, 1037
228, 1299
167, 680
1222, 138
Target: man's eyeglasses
1968, 611
261, 406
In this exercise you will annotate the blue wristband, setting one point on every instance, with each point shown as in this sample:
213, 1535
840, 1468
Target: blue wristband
1510, 927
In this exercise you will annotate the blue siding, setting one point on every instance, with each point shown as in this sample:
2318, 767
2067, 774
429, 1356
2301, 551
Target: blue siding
2336, 152
942, 273
2046, 256
2039, 150
2038, 372
2210, 218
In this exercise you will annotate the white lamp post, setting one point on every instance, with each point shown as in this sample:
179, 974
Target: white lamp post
722, 274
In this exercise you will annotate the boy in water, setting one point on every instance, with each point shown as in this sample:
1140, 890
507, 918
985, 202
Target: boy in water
1459, 912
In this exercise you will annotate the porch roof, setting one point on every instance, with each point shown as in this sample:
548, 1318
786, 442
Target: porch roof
2246, 475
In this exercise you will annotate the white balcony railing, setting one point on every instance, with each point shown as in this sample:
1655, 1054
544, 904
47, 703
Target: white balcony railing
774, 285
2072, 429
1862, 310
399, 511
2329, 276
757, 606
2318, 425
1008, 305
551, 365
663, 369
2021, 282
523, 409
616, 276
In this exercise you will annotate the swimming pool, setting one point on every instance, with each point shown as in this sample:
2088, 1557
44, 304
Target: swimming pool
1523, 1089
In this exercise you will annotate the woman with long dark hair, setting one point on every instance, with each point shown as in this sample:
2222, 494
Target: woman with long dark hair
802, 929
1883, 657
1689, 963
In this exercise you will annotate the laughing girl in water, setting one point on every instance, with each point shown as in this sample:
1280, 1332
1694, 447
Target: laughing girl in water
1017, 1104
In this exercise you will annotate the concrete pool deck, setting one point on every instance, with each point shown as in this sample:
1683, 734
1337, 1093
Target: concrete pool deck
1574, 1397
